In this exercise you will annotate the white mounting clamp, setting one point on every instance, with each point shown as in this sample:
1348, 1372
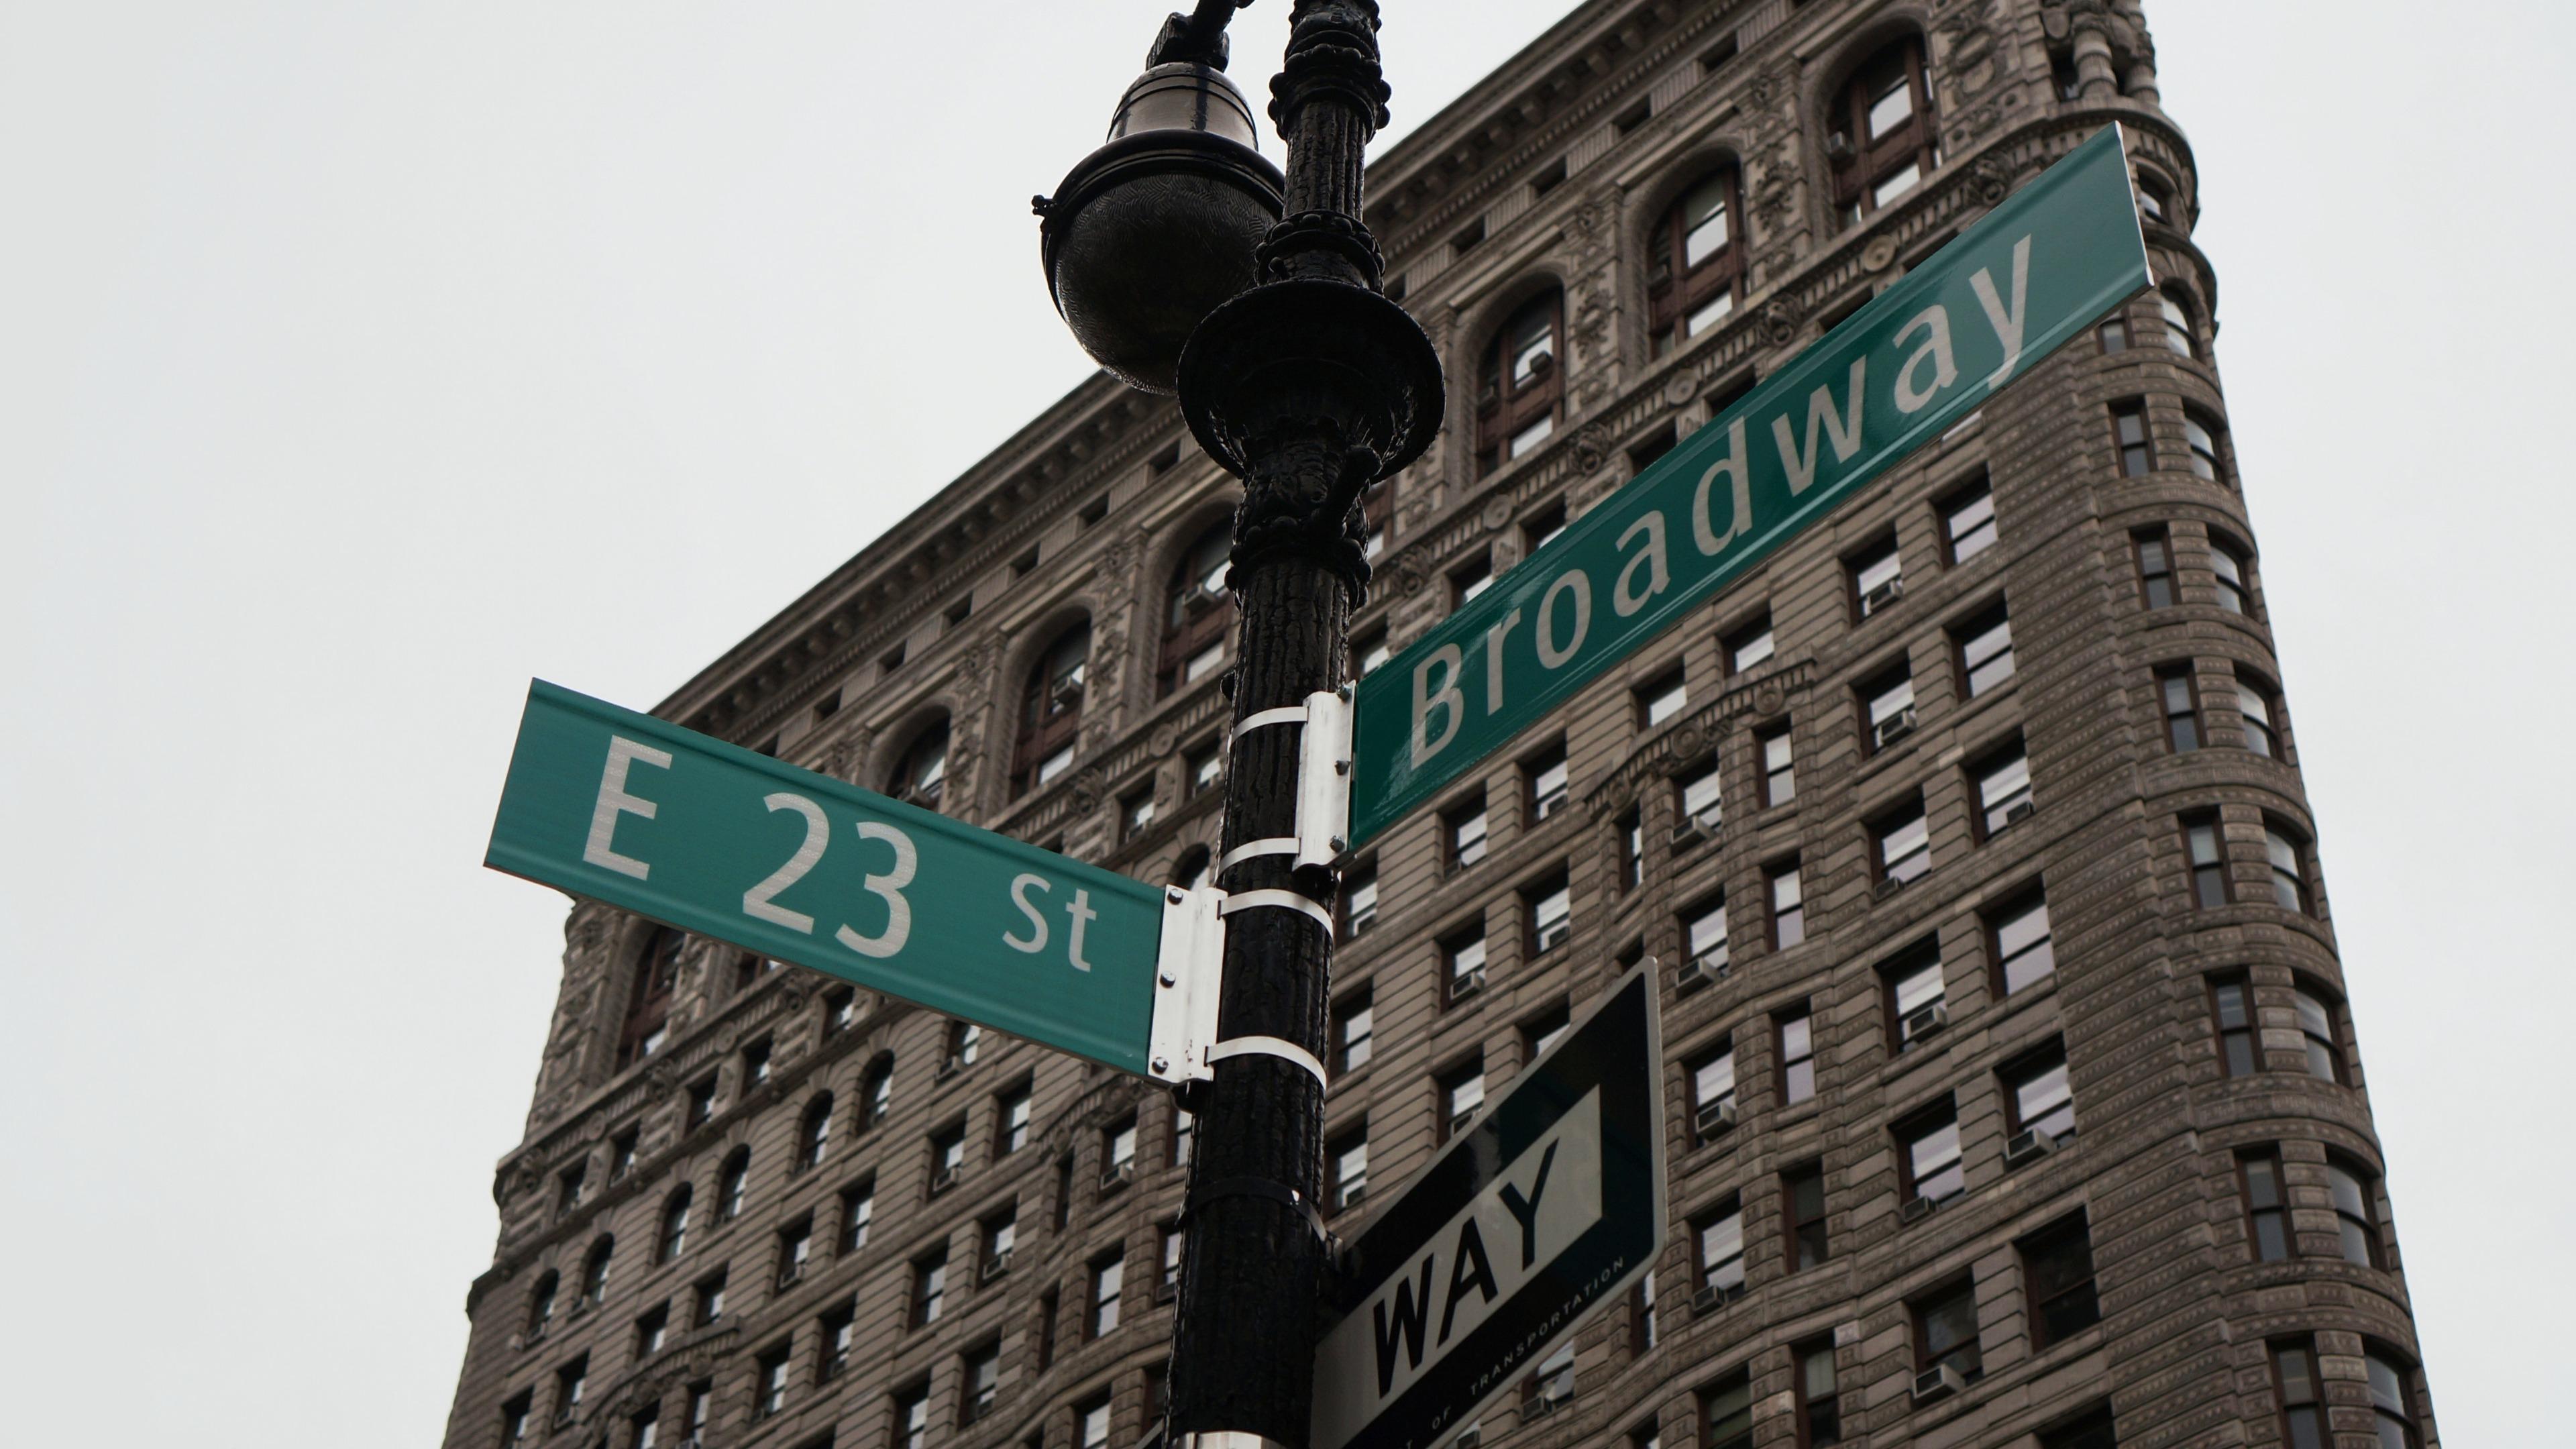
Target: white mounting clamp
1186, 970
1323, 780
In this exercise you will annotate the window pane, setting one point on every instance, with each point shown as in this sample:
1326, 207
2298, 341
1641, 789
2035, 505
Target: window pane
2042, 1102
1704, 221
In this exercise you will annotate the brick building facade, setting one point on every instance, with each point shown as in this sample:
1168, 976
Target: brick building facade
2013, 1102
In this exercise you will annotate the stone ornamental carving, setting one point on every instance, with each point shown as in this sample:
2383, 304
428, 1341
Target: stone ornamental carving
1680, 388
1684, 747
1083, 796
974, 673
1165, 738
1591, 447
1496, 513
1991, 179
1410, 573
1768, 700
1879, 255
847, 754
1780, 321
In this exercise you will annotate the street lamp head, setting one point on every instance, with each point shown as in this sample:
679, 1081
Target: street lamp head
1148, 234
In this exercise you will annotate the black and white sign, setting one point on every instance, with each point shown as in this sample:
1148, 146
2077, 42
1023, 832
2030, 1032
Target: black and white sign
1552, 1204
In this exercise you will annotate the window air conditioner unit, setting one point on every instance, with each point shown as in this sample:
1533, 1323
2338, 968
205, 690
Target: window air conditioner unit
2028, 1145
1715, 1117
1838, 147
1888, 885
1118, 1177
1066, 692
1540, 1407
1555, 936
1688, 833
1937, 1381
790, 1273
1468, 985
997, 1265
949, 1066
1704, 969
944, 1179
1893, 728
1916, 1209
1711, 1298
1459, 1121
1880, 597
1923, 1021
1473, 1436
1166, 1289
1351, 1196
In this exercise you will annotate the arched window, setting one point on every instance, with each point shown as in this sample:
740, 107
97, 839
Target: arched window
594, 1272
648, 1002
1883, 142
541, 1305
675, 1225
920, 774
1051, 711
814, 1133
2180, 336
732, 1184
1695, 272
876, 1092
1198, 614
1522, 383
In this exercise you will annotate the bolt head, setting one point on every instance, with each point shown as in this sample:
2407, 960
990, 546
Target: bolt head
1168, 979
1162, 1064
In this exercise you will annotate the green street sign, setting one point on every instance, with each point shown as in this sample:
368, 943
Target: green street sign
717, 840
2031, 274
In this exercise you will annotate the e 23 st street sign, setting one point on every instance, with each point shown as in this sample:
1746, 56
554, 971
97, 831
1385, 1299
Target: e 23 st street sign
715, 839
2029, 275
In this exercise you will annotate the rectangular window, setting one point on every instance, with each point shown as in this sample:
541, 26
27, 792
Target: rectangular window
1749, 645
2003, 789
1945, 1334
1369, 651
1108, 1277
2257, 706
1466, 973
1549, 782
998, 1238
1551, 914
1727, 1406
1352, 1029
1465, 828
2231, 1007
652, 1331
514, 1421
795, 1250
1050, 1307
1802, 1212
1118, 1149
858, 1209
2319, 1021
1542, 1031
1927, 1159
2202, 436
2392, 1399
1475, 578
2178, 696
947, 1157
1788, 902
839, 1333
1968, 522
1712, 1091
1462, 1095
1717, 1238
2037, 1099
2267, 1204
1985, 651
2094, 1430
1902, 845
1917, 998
1797, 1055
1203, 766
1552, 1383
771, 1383
1172, 1239
1661, 700
2234, 572
2112, 336
1887, 707
2057, 1277
1779, 775
1359, 901
2129, 434
1643, 1331
570, 1382
711, 1301
1011, 1116
1185, 1132
1091, 1425
2302, 1396
1347, 1157
1632, 850
1877, 580
929, 1288
2017, 935
2352, 1191
1820, 1414
840, 1010
2286, 854
1136, 815
980, 1385
702, 1098
1702, 805
2208, 859
1704, 937
1543, 528
2155, 568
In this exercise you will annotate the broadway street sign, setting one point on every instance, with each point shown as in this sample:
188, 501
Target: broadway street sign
712, 838
1550, 1207
2034, 272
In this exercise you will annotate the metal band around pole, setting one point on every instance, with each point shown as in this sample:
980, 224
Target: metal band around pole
1268, 1046
1285, 900
1262, 719
1254, 849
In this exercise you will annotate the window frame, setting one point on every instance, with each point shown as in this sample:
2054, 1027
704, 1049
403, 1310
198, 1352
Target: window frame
1057, 686
2132, 457
1193, 620
1869, 163
1507, 407
1677, 290
2185, 730
2267, 1208
2038, 1296
2163, 577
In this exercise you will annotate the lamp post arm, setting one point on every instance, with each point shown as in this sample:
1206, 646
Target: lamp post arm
1197, 38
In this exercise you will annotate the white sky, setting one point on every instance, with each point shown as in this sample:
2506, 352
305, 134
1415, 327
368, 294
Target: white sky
358, 362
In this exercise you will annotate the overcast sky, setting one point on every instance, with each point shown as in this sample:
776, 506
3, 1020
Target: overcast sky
358, 362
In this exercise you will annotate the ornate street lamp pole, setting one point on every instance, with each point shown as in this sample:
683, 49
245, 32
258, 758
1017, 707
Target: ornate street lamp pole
1309, 385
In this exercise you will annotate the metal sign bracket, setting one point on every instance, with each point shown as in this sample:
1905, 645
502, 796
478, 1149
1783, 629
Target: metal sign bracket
1323, 780
1186, 972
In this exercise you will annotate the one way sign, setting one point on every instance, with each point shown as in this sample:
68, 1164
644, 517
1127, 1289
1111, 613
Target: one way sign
1552, 1205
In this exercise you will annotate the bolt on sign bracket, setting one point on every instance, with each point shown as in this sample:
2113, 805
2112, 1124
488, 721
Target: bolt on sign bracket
1186, 973
1323, 781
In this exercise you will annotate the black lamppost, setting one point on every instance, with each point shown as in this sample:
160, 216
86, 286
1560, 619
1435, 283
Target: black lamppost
1303, 380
